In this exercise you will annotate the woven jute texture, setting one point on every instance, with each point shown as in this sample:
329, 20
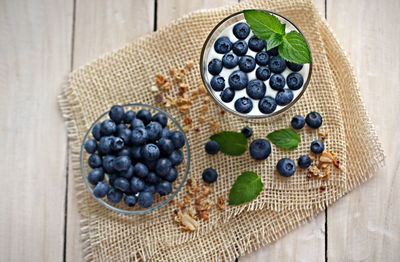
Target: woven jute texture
124, 77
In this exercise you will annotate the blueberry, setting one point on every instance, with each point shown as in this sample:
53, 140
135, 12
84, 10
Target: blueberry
304, 161
150, 152
117, 144
273, 51
96, 131
135, 152
160, 118
116, 113
267, 105
262, 58
152, 178
144, 115
178, 139
163, 167
317, 146
121, 183
129, 116
130, 200
277, 82
149, 188
122, 163
151, 164
145, 199
212, 147
95, 176
260, 149
111, 179
238, 80
114, 195
263, 73
138, 136
247, 63
127, 173
240, 47
140, 170
286, 167
90, 146
124, 152
294, 67
277, 64
176, 157
209, 175
230, 60
108, 164
294, 81
172, 175
241, 30
223, 45
256, 44
108, 127
298, 122
215, 66
314, 120
243, 105
94, 161
256, 89
217, 83
284, 97
165, 132
124, 133
136, 184
166, 146
164, 188
105, 144
154, 130
227, 94
247, 131
137, 123
101, 190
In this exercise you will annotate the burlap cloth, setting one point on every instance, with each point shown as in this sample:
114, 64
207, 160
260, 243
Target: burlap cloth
124, 76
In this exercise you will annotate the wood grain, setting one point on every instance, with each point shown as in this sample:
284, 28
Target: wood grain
35, 47
365, 225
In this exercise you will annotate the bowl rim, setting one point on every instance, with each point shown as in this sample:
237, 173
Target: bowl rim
153, 207
213, 95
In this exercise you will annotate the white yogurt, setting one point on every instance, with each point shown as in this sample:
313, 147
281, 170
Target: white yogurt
225, 73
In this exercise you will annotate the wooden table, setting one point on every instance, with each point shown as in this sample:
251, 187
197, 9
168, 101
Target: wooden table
41, 41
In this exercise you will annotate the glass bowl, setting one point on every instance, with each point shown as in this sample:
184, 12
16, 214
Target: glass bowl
216, 32
159, 201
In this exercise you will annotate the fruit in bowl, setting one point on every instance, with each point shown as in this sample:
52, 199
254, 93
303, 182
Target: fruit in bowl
135, 158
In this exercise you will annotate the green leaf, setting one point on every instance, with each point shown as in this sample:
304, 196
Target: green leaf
246, 188
284, 138
294, 48
273, 41
232, 143
263, 24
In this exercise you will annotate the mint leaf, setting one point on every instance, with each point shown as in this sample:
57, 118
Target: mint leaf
284, 138
246, 188
273, 41
294, 48
232, 143
263, 24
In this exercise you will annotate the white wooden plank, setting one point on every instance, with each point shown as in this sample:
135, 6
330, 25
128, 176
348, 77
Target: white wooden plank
365, 225
102, 26
34, 61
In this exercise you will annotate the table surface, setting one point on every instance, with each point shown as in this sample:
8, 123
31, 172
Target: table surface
43, 40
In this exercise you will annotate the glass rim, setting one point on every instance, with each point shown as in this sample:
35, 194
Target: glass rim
158, 205
213, 95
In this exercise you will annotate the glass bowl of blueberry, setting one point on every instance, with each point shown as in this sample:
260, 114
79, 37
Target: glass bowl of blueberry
134, 158
247, 78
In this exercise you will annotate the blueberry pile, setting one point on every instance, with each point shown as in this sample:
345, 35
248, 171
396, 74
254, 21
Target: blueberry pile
137, 152
248, 66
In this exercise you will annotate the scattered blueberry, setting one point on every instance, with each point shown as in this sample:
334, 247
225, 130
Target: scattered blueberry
317, 146
152, 178
129, 116
212, 147
273, 51
166, 146
94, 161
256, 89
153, 130
298, 122
108, 127
138, 136
238, 80
314, 120
130, 200
277, 64
286, 167
101, 190
263, 73
217, 83
176, 157
96, 131
128, 173
247, 131
284, 97
209, 175
122, 163
256, 44
137, 123
114, 195
172, 175
247, 63
215, 66
117, 144
160, 118
164, 188
163, 166
304, 161
267, 105
108, 164
116, 113
262, 58
243, 105
223, 45
145, 199
240, 47
121, 183
294, 81
277, 82
294, 67
230, 60
241, 30
260, 149
95, 176
136, 184
144, 115
90, 146
150, 152
178, 139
